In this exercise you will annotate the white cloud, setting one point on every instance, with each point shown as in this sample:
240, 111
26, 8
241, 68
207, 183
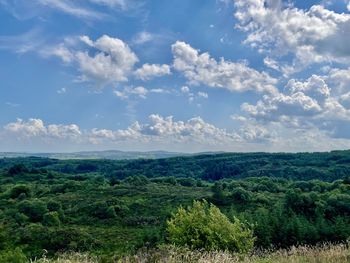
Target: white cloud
161, 132
31, 40
105, 61
167, 129
112, 3
255, 133
185, 89
113, 61
271, 63
13, 105
158, 129
63, 131
60, 51
71, 8
345, 100
84, 9
143, 37
203, 94
202, 69
140, 92
61, 91
159, 90
304, 105
110, 60
339, 79
36, 128
149, 71
279, 29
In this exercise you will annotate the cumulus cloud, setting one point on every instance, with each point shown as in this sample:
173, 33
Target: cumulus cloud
158, 129
112, 62
129, 91
163, 132
202, 69
186, 91
161, 128
37, 128
280, 29
339, 79
304, 104
149, 71
255, 133
107, 61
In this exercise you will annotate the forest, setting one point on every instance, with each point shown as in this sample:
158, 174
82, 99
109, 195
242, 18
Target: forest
114, 208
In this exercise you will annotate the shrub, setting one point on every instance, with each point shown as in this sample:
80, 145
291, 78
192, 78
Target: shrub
53, 205
35, 209
18, 190
101, 210
13, 256
139, 180
203, 226
51, 219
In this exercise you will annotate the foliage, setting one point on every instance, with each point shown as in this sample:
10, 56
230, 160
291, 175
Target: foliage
171, 254
113, 208
13, 256
204, 226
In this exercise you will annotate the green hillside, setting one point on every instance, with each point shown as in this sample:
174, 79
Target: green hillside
114, 208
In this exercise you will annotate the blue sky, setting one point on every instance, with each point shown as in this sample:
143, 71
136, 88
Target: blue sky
181, 75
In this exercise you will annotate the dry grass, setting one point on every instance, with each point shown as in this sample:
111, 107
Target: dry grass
170, 254
69, 258
303, 254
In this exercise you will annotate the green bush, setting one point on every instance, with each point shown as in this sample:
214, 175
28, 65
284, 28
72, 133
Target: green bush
53, 205
13, 256
34, 209
203, 226
18, 190
51, 219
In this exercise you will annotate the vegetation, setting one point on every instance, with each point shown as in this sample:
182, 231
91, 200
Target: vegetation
112, 209
171, 254
203, 226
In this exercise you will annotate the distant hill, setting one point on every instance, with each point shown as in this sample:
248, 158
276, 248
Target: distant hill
111, 154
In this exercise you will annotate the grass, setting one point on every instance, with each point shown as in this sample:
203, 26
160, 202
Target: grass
170, 254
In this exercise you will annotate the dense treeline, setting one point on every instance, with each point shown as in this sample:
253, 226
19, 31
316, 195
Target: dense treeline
328, 166
115, 207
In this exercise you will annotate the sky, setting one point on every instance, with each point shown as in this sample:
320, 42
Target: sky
176, 75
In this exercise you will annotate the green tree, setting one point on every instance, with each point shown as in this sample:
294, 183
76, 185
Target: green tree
203, 226
51, 219
17, 190
34, 209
